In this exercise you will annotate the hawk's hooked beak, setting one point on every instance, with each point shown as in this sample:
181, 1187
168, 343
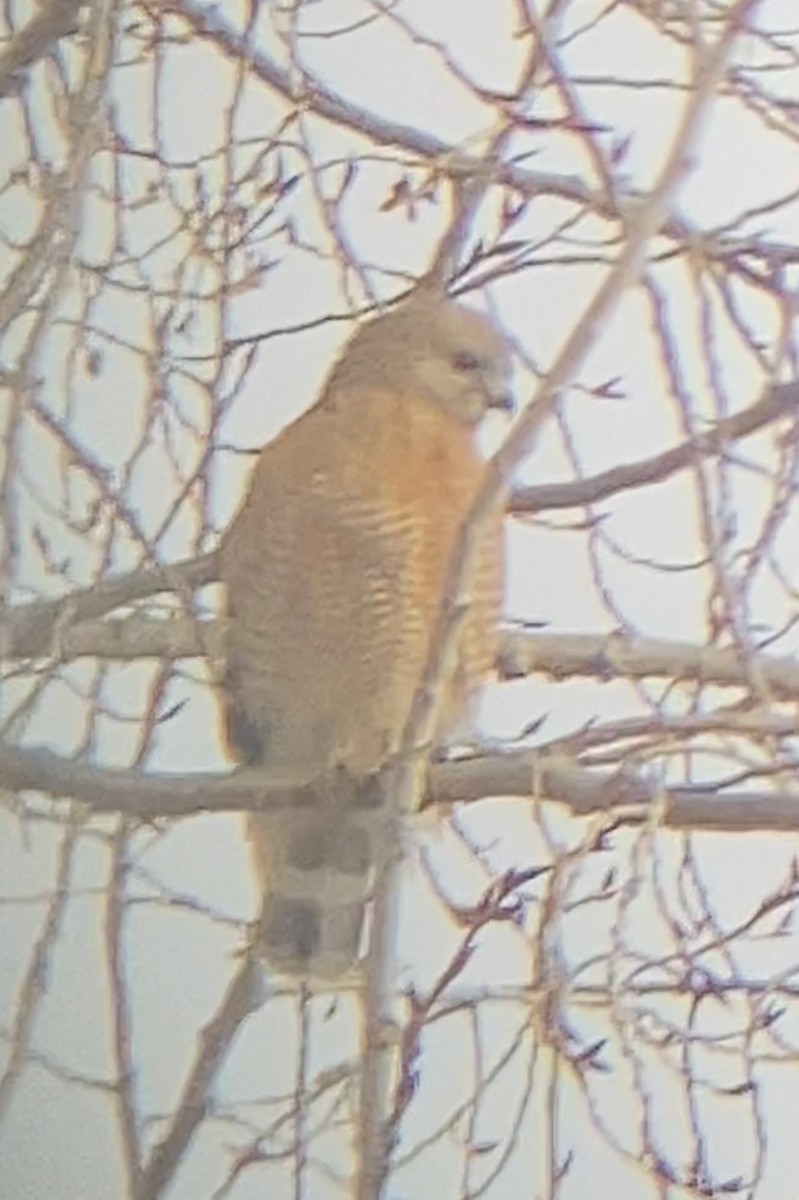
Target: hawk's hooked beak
501, 401
497, 392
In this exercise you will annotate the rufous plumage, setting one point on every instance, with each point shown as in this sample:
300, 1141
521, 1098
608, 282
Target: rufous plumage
334, 570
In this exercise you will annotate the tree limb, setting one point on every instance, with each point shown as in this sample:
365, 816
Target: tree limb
56, 19
626, 799
780, 400
522, 652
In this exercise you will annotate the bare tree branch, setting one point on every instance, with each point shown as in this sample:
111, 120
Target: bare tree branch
625, 798
522, 652
56, 19
141, 795
29, 629
781, 400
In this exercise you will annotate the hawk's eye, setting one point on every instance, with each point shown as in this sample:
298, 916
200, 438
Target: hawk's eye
464, 360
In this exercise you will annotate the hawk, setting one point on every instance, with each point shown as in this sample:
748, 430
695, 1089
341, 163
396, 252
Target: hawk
333, 571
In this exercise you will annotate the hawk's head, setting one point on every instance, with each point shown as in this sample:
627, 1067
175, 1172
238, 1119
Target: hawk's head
437, 348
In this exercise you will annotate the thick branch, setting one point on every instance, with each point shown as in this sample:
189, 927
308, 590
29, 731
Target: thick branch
56, 19
142, 795
627, 800
35, 628
522, 652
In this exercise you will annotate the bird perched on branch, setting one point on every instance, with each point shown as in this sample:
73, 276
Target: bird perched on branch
334, 571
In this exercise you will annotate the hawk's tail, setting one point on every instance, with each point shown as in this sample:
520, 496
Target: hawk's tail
315, 864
